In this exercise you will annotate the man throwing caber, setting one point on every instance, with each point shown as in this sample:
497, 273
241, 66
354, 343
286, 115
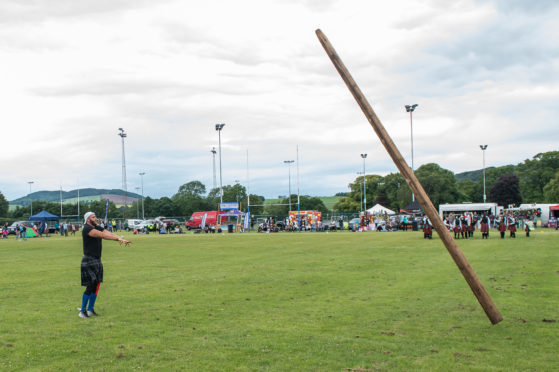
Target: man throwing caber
92, 268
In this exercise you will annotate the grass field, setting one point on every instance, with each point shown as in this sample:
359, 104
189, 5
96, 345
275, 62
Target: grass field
281, 302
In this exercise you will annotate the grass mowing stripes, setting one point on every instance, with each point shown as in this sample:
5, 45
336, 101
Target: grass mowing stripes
287, 301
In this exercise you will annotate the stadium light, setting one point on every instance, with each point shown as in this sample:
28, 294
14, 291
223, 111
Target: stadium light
30, 200
142, 176
364, 156
219, 127
289, 162
411, 109
483, 148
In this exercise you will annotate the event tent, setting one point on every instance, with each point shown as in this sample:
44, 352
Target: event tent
379, 209
413, 207
44, 216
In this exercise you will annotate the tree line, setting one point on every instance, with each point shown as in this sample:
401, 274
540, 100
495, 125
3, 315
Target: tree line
535, 180
190, 197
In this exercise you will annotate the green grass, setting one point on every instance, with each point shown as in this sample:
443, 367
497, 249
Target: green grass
287, 301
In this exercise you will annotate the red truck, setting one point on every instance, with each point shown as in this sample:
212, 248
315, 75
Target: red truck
196, 219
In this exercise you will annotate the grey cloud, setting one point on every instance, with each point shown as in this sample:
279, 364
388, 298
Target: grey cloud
533, 6
14, 11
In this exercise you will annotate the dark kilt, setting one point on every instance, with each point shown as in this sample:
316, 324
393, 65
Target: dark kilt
512, 228
92, 270
484, 228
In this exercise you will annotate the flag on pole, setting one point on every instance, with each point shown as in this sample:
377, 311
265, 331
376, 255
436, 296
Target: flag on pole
203, 222
106, 211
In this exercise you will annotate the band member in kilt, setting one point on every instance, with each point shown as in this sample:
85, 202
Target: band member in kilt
484, 228
91, 267
427, 228
527, 229
512, 226
456, 227
502, 226
464, 227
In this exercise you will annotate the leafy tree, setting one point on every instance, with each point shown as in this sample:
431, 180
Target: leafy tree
393, 186
506, 191
256, 204
382, 199
235, 193
4, 206
347, 204
98, 207
439, 184
306, 203
189, 199
471, 190
164, 207
534, 174
551, 190
397, 191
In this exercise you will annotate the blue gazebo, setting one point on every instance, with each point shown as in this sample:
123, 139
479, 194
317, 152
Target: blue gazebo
44, 216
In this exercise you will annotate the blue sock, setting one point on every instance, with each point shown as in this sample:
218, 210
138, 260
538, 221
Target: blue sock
92, 298
85, 298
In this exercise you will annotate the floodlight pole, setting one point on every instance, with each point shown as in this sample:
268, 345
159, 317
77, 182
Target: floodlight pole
483, 148
455, 252
361, 191
30, 199
123, 135
218, 128
364, 156
142, 174
410, 109
60, 201
137, 205
78, 201
298, 194
213, 155
289, 162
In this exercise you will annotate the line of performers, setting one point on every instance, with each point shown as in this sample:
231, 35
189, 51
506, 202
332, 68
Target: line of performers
464, 226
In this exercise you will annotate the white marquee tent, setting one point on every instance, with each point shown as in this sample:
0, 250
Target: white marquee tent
379, 209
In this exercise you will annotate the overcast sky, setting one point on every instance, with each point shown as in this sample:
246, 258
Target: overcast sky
73, 72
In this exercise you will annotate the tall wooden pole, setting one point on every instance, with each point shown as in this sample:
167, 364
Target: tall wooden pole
449, 242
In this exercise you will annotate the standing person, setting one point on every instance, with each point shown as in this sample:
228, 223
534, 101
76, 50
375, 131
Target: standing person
502, 226
484, 227
91, 266
527, 229
18, 232
456, 227
512, 226
5, 231
23, 232
427, 228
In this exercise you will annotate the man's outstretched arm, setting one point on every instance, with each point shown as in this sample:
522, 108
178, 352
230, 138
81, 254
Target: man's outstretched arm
107, 235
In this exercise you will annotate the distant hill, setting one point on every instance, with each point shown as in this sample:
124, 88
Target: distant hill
471, 175
67, 196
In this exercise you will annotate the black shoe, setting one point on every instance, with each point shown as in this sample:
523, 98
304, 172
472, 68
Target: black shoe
91, 313
83, 314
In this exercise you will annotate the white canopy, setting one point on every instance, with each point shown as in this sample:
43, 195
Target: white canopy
379, 209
